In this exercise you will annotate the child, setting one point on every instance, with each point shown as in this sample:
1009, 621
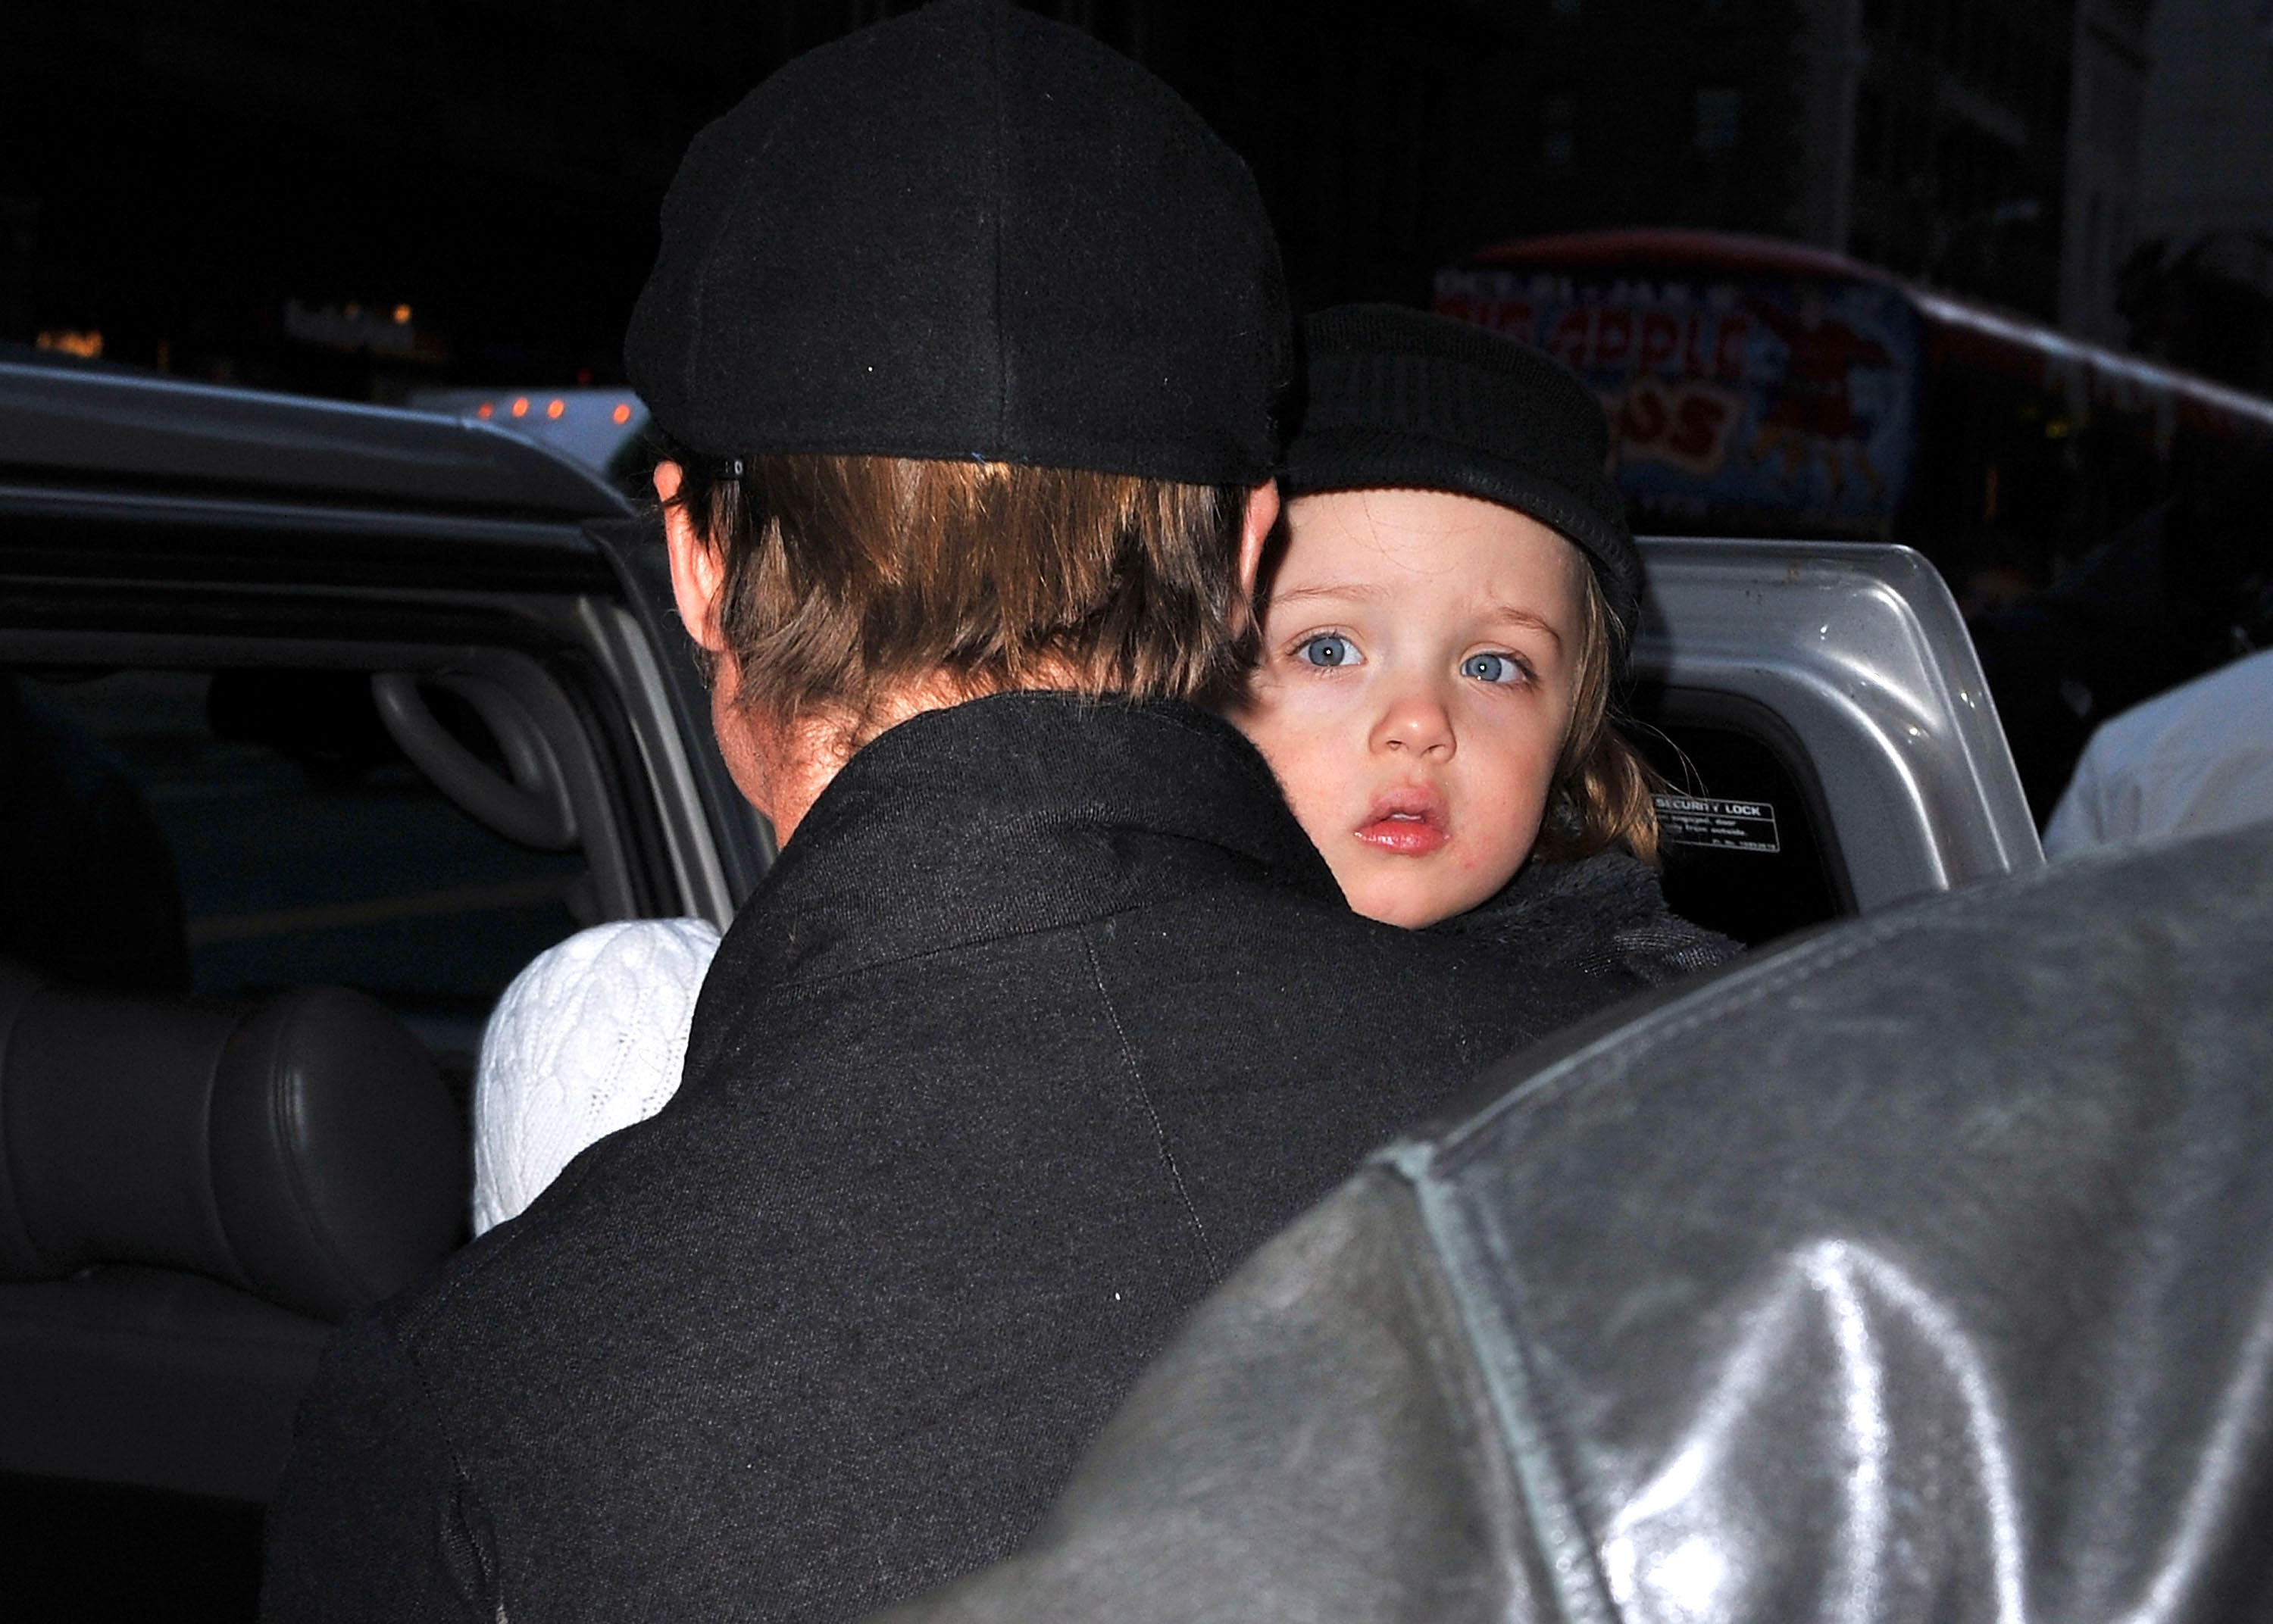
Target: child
1443, 628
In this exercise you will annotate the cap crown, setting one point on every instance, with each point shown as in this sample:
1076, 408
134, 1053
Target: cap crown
967, 232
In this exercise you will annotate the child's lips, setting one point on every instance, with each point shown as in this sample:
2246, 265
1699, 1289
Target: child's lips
1406, 823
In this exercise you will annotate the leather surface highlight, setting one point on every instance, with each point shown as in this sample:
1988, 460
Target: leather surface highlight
340, 1164
304, 1151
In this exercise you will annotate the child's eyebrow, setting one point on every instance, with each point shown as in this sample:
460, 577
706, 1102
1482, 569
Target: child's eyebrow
1359, 591
1508, 614
1367, 591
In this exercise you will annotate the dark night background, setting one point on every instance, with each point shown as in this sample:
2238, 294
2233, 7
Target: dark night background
174, 177
372, 201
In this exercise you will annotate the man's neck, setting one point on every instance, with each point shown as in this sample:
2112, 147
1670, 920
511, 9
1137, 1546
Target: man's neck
800, 759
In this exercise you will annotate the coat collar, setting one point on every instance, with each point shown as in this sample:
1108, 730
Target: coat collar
1015, 813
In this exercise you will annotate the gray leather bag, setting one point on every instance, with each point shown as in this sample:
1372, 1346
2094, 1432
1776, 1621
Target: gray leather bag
1923, 1271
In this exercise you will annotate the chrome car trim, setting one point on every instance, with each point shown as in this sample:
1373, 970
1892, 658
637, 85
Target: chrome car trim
615, 636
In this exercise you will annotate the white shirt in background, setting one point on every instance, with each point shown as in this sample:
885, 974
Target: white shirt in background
2192, 761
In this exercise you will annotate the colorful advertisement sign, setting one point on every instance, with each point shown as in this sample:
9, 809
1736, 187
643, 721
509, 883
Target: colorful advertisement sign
1784, 402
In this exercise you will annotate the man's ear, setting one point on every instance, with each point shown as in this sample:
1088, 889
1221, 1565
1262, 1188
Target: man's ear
698, 573
1254, 538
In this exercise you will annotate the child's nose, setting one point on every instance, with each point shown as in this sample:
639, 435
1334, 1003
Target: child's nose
1415, 722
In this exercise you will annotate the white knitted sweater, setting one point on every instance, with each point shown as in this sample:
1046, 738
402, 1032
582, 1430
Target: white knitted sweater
590, 1039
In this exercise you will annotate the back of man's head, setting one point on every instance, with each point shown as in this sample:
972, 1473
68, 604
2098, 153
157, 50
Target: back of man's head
971, 332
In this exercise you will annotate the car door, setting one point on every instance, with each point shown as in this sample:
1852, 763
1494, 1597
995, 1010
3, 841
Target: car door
291, 692
1826, 736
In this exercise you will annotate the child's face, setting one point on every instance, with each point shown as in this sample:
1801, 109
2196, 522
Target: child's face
1416, 685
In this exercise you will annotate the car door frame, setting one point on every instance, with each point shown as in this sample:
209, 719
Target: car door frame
1859, 650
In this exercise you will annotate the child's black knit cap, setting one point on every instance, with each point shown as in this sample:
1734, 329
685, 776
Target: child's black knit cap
1399, 399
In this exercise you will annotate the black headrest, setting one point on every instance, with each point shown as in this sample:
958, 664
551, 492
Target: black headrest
305, 1150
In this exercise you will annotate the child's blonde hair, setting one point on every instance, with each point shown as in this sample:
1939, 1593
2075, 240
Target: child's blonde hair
1603, 789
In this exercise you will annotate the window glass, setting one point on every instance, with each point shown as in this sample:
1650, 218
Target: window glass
299, 845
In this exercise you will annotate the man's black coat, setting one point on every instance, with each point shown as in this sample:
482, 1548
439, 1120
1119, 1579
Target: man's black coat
1048, 1016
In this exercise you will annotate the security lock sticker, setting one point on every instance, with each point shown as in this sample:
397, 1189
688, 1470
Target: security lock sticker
1722, 826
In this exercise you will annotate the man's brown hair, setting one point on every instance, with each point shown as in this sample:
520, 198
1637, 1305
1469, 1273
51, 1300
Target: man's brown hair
850, 577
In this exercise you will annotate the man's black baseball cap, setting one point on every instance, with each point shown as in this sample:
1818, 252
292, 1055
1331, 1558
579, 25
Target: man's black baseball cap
968, 232
1400, 399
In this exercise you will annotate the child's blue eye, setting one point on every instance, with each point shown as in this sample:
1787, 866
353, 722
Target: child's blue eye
1327, 648
1492, 667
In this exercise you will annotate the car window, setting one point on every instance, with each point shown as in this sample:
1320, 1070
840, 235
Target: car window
302, 847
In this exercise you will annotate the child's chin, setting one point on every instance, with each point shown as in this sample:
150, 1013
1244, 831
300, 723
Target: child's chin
1403, 909
1401, 900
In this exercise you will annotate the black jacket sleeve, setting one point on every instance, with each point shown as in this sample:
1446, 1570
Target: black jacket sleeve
375, 1520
